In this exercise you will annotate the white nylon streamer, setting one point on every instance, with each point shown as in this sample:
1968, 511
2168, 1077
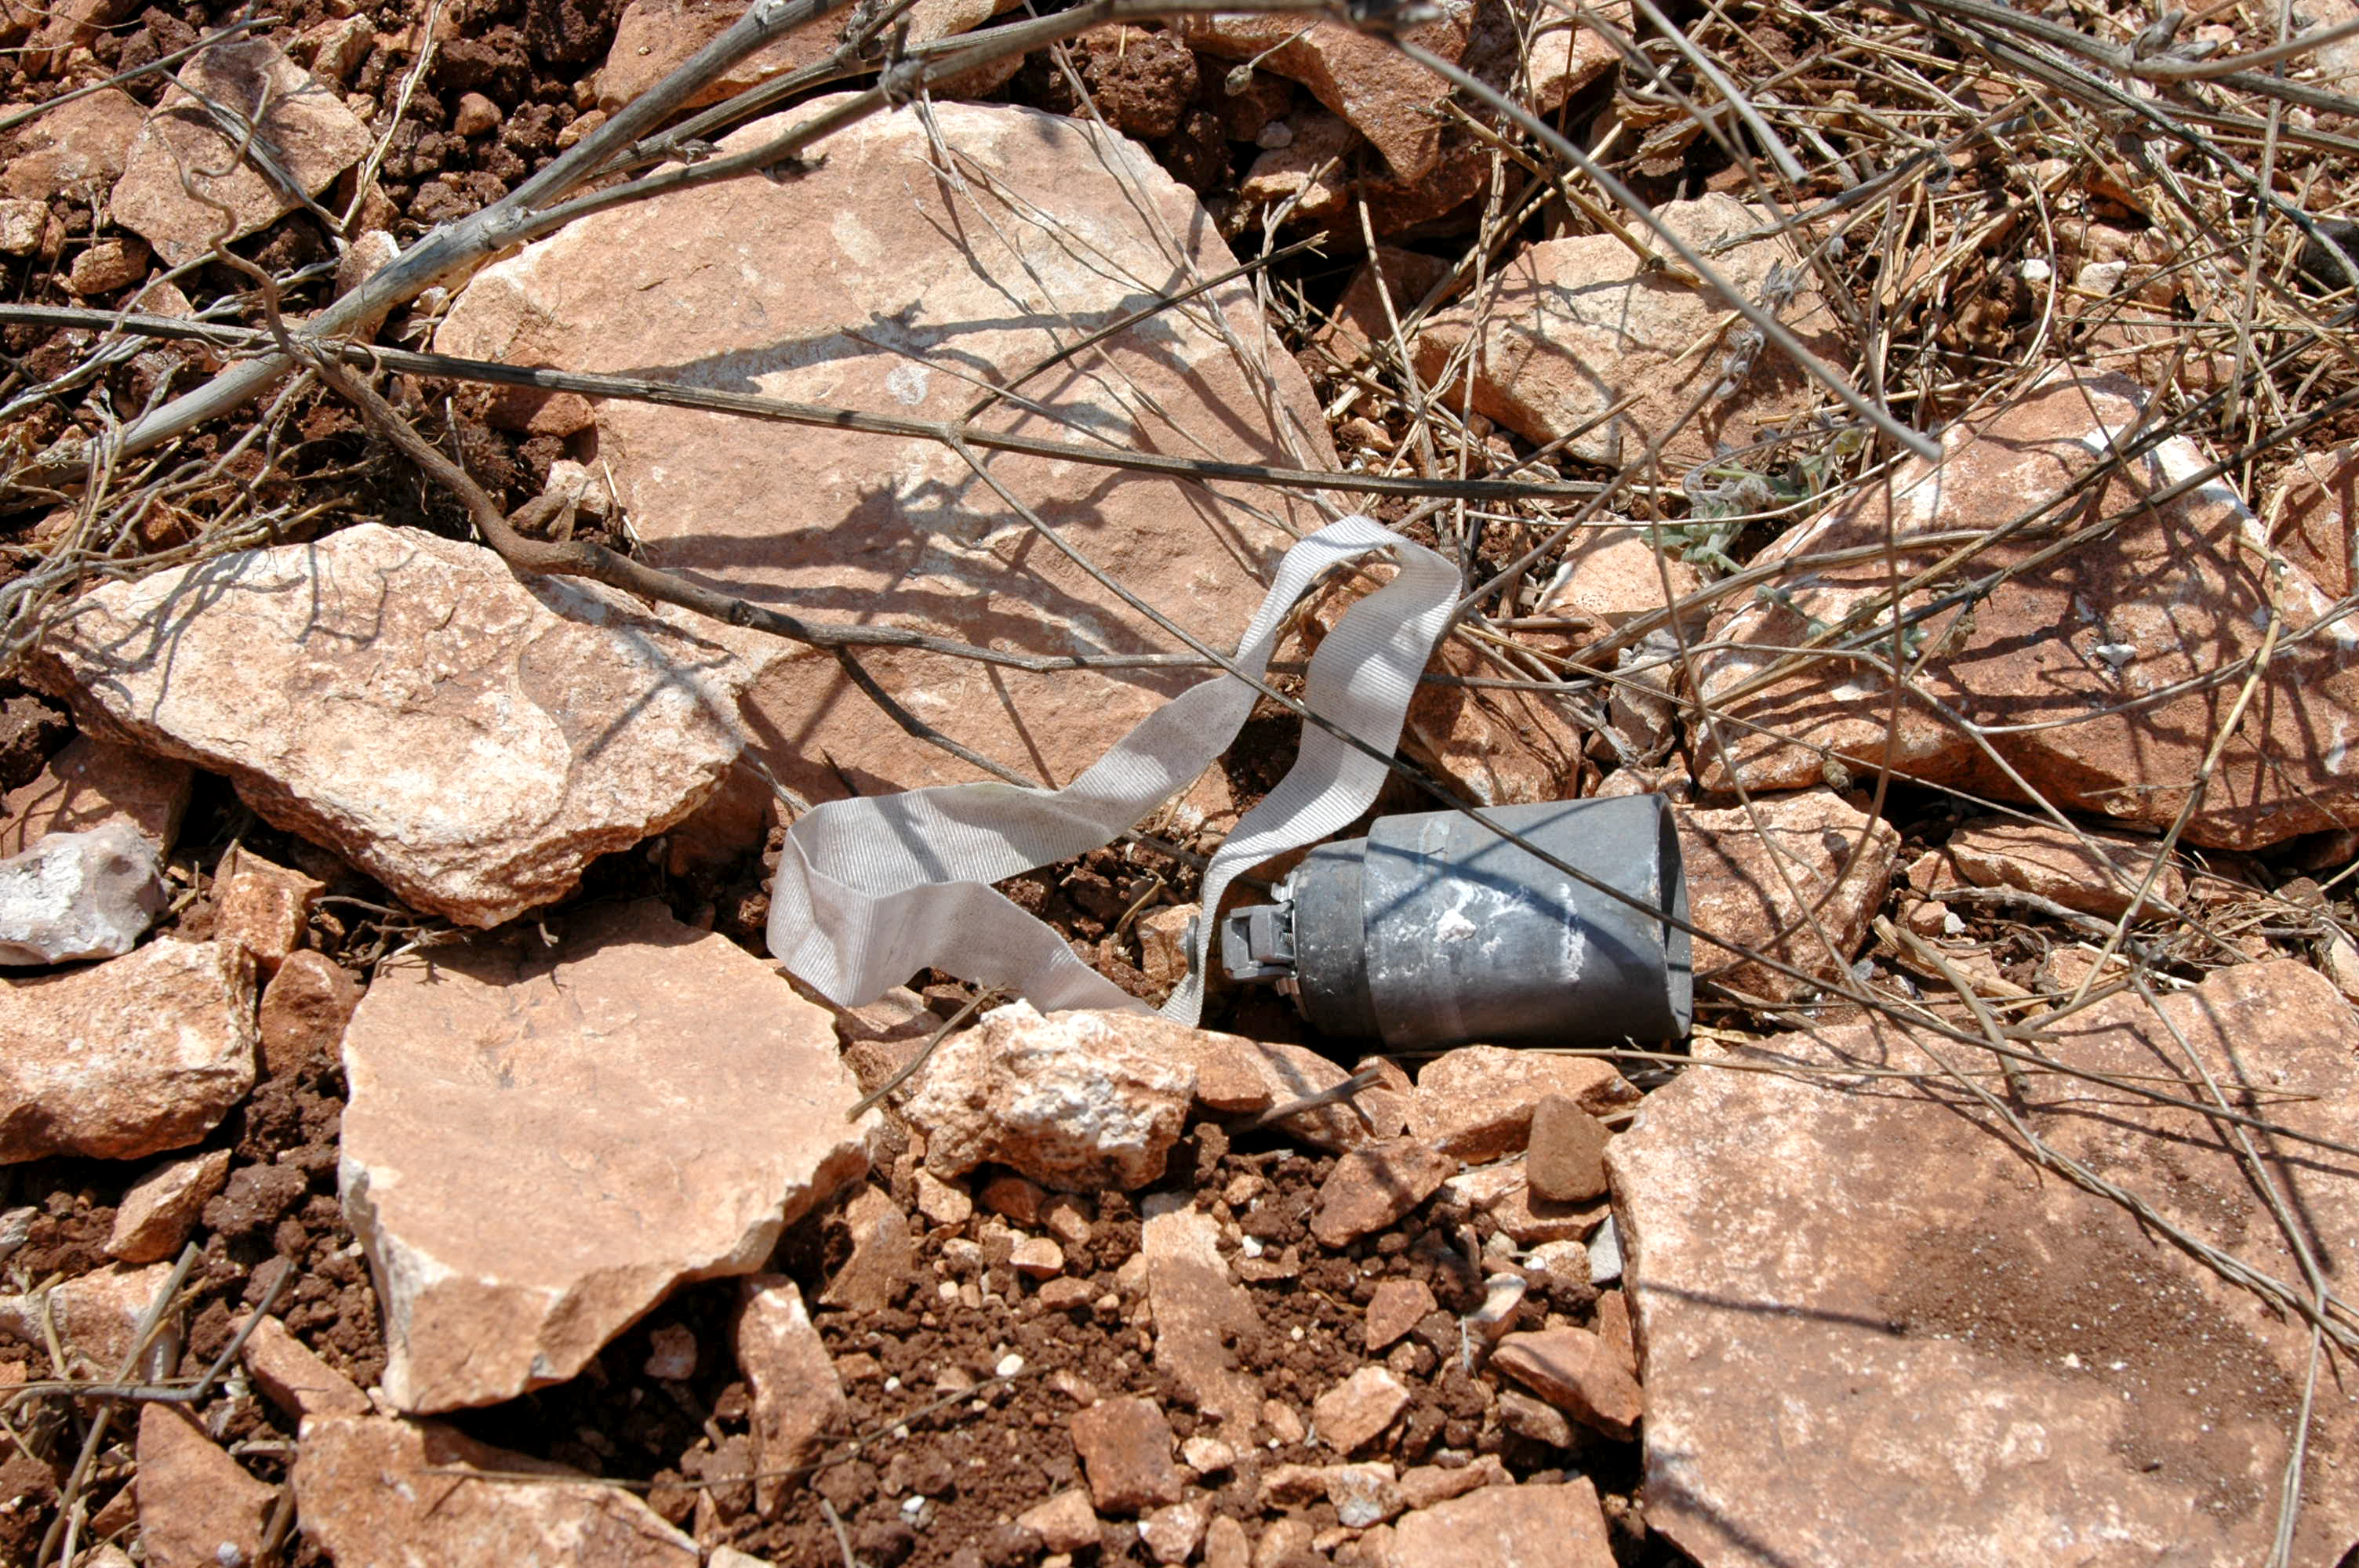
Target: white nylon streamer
870, 891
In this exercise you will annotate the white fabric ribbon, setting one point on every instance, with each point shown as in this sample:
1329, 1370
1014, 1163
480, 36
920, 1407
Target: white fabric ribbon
870, 891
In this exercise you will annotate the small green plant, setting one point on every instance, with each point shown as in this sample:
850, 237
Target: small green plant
1722, 497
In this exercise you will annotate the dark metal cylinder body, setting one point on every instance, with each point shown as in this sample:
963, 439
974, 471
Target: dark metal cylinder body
1435, 931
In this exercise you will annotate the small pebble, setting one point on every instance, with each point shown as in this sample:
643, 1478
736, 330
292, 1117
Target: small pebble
1605, 1255
476, 115
672, 1353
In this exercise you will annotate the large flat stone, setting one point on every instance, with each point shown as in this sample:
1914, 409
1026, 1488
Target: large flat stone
540, 1144
1797, 876
1873, 1331
2071, 668
304, 123
655, 37
875, 282
1506, 1527
1202, 1316
374, 1493
76, 149
471, 740
1570, 327
1476, 1102
125, 1058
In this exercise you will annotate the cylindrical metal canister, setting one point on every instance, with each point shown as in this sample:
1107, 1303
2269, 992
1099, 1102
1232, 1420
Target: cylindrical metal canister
1435, 931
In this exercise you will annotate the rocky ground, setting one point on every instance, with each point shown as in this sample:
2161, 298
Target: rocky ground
411, 1149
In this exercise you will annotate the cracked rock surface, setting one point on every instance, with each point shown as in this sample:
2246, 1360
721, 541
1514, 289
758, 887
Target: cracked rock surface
471, 740
663, 1106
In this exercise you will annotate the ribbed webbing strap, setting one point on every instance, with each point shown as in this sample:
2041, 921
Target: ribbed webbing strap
873, 889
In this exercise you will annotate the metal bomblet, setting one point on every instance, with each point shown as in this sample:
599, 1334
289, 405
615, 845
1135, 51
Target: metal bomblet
1435, 931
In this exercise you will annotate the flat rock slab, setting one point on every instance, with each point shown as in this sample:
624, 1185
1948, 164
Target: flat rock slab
1797, 876
198, 1507
1476, 1102
876, 283
2095, 872
305, 127
1202, 1316
655, 37
1506, 1527
2070, 668
376, 1493
76, 149
1873, 1331
126, 1058
471, 740
1573, 327
540, 1144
